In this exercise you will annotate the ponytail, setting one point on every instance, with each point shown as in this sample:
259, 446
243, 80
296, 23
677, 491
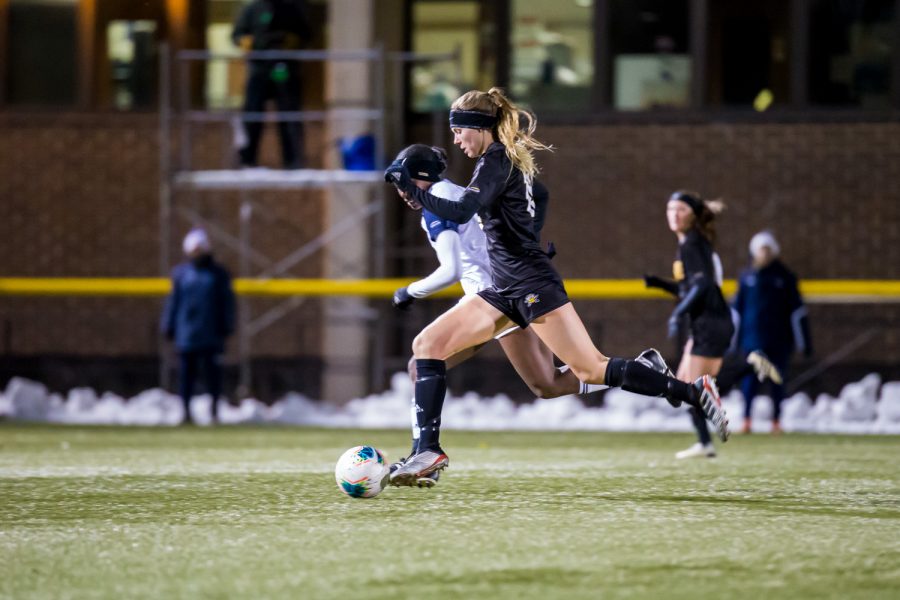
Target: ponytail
705, 212
514, 127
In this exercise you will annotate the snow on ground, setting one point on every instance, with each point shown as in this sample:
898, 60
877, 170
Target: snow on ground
863, 407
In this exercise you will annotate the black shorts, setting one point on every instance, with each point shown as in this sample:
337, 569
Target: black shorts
524, 309
712, 336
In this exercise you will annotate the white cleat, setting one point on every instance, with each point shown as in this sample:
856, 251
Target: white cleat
698, 450
429, 481
712, 405
652, 359
418, 467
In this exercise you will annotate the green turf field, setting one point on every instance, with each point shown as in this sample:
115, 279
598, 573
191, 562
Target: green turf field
255, 513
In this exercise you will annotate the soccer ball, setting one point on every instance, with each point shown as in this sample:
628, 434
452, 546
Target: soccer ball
362, 472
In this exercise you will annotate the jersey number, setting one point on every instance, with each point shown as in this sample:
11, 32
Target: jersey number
529, 194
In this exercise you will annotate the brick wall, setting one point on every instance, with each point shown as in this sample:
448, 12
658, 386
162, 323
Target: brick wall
79, 197
830, 192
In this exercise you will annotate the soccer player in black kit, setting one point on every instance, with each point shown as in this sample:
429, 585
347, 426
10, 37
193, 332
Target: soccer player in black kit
527, 289
697, 274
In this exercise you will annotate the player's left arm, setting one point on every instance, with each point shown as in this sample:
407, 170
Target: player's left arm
699, 271
541, 196
170, 312
799, 318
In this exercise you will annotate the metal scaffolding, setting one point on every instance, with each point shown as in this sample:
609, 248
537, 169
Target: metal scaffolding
178, 175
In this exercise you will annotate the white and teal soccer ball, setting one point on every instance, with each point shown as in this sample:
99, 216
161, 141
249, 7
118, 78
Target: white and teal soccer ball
362, 472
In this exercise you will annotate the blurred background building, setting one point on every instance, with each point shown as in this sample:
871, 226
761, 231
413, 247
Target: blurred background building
787, 109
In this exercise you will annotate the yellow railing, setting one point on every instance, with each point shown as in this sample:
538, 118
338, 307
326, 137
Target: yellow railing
822, 290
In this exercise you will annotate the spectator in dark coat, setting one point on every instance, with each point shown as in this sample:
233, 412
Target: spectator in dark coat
773, 319
198, 317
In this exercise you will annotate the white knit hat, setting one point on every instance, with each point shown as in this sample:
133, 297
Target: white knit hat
196, 239
764, 239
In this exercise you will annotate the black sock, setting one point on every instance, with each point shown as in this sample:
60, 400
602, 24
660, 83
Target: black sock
732, 371
699, 420
415, 447
431, 385
632, 376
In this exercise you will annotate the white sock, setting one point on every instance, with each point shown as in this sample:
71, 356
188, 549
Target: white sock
584, 388
589, 388
415, 421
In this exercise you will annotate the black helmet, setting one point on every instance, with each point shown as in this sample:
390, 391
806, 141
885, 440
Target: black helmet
424, 162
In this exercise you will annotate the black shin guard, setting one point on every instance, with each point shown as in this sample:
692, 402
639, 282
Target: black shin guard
699, 421
431, 386
632, 376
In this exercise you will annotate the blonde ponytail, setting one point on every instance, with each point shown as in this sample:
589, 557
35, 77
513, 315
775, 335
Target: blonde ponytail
514, 129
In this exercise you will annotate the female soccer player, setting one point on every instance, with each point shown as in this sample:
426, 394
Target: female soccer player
461, 249
527, 290
698, 276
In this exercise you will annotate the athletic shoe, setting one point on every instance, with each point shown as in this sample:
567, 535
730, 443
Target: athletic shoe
394, 466
764, 368
698, 450
418, 466
652, 359
711, 405
429, 480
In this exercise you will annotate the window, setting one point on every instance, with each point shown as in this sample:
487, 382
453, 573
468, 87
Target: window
749, 53
650, 49
552, 64
850, 52
445, 27
133, 56
42, 52
225, 77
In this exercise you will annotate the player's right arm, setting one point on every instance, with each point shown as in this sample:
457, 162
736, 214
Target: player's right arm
488, 182
447, 245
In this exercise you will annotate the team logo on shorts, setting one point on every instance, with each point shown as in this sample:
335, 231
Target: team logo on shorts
532, 299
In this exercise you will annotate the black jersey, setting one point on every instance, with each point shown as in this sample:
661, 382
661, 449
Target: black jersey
695, 273
504, 199
541, 202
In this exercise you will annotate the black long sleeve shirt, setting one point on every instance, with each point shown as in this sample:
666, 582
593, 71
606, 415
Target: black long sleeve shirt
504, 199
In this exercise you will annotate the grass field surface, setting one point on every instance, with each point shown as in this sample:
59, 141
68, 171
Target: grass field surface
255, 513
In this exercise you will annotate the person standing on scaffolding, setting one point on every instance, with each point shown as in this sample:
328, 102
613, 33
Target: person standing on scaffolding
272, 25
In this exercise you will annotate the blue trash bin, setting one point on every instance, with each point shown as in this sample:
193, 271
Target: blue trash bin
358, 153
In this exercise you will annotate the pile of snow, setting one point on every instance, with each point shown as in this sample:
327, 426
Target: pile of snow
858, 409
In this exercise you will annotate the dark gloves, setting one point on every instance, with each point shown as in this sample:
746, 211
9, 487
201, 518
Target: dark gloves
674, 326
398, 174
652, 281
402, 299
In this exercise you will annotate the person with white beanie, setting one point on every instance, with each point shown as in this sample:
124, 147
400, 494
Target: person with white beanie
771, 318
198, 317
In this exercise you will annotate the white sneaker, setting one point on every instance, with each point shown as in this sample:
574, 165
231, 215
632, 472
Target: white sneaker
698, 450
